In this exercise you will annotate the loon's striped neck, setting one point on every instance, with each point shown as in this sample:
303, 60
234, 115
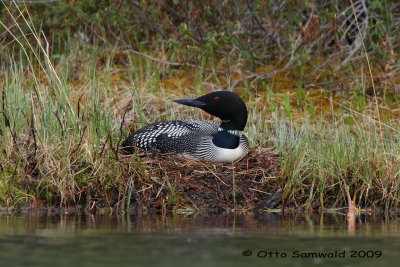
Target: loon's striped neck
233, 132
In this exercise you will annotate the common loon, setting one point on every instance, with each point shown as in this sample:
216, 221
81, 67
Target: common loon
199, 139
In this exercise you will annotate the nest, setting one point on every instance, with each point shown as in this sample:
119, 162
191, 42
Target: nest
169, 182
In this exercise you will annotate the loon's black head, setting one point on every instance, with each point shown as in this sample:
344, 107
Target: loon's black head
227, 106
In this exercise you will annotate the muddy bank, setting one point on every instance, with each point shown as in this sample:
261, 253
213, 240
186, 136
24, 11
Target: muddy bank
159, 183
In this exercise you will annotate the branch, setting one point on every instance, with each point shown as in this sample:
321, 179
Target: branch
362, 31
27, 2
177, 63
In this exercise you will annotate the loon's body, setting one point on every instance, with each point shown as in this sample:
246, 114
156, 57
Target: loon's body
199, 139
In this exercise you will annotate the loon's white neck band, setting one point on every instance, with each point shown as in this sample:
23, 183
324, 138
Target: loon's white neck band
234, 132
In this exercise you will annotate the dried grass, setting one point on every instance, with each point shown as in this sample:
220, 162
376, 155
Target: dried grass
172, 181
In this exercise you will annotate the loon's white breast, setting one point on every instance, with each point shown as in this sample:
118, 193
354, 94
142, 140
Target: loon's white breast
208, 151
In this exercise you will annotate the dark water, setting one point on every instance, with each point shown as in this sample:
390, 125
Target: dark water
271, 239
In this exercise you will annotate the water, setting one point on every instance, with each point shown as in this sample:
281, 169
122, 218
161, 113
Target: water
271, 239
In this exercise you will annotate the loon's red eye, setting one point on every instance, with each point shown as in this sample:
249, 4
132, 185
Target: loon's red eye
216, 99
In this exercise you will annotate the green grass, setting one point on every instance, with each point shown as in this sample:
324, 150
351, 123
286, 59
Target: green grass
63, 115
320, 160
59, 140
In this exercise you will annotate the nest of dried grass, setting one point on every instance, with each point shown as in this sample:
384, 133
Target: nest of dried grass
164, 182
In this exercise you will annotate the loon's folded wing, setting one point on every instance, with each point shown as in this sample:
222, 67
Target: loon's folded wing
176, 136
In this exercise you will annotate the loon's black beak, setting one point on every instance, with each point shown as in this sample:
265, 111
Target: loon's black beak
192, 102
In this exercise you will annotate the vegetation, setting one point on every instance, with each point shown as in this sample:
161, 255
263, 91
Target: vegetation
321, 81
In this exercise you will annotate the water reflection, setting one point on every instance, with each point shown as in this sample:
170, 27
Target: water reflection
224, 240
323, 225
